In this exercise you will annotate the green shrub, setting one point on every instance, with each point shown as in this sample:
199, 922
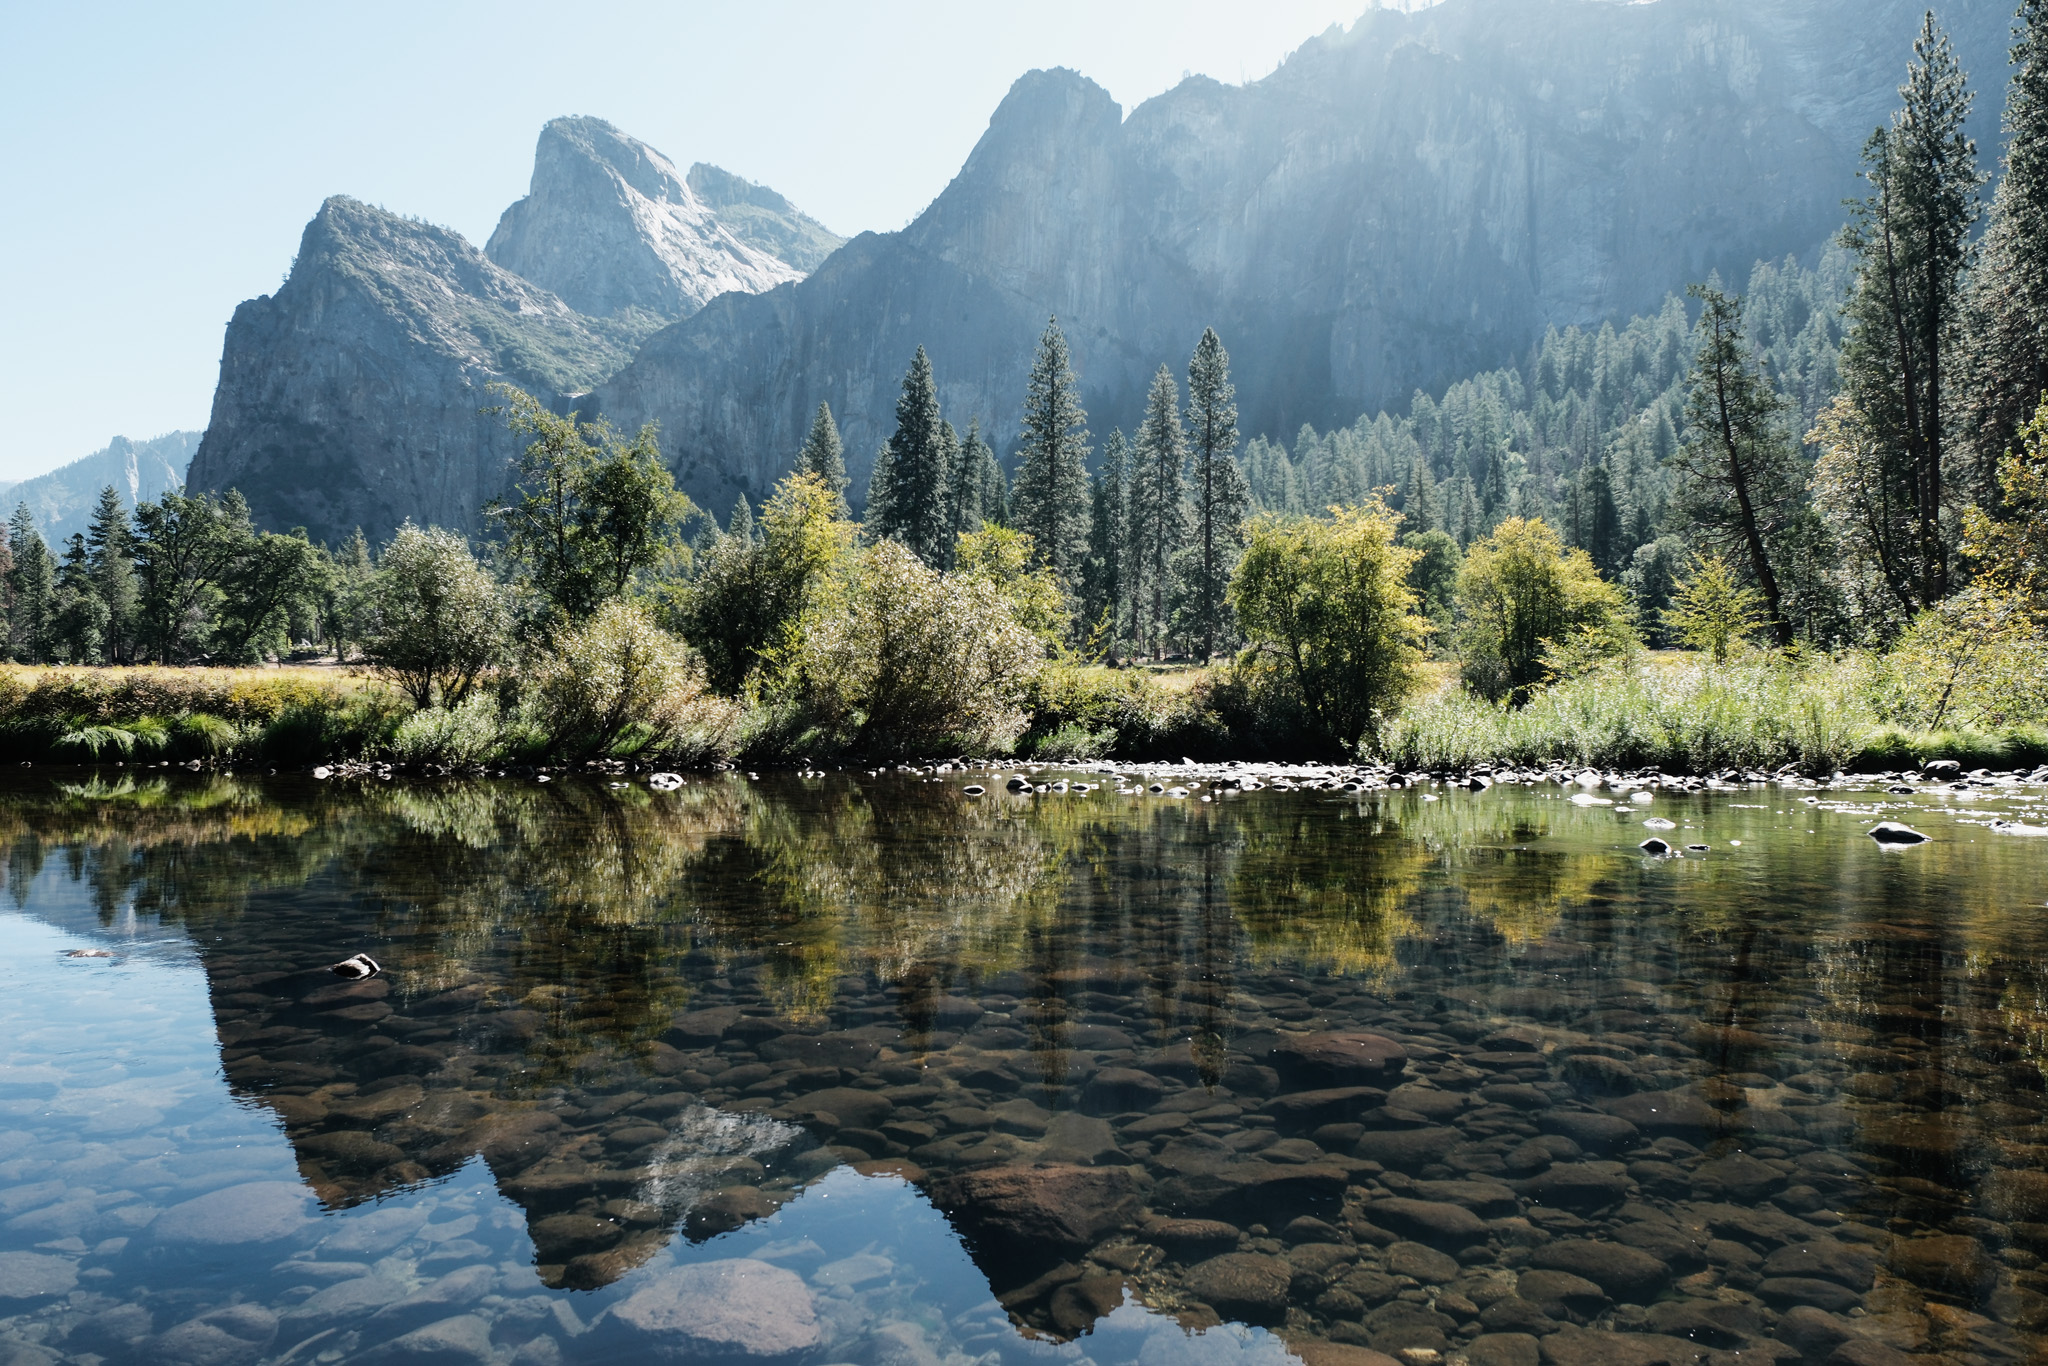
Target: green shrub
461, 736
619, 683
1525, 600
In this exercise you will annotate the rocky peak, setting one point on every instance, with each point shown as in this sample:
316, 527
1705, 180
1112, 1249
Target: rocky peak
609, 225
764, 219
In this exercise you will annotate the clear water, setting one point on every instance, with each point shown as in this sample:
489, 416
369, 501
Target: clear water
860, 1069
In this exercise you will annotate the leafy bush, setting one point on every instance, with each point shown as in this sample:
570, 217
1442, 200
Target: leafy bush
1330, 617
461, 736
619, 683
912, 660
1524, 598
437, 619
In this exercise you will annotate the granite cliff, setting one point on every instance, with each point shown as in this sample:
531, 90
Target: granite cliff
63, 500
1400, 204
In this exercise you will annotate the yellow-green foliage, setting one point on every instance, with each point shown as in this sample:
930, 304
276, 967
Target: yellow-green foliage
619, 680
118, 694
1001, 557
1714, 611
1527, 602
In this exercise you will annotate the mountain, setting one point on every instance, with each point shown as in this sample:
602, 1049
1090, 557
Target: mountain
762, 218
63, 500
1399, 205
353, 396
610, 226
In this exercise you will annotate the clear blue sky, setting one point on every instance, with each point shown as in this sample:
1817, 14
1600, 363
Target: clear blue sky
160, 160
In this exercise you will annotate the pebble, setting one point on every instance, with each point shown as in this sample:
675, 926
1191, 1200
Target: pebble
735, 1307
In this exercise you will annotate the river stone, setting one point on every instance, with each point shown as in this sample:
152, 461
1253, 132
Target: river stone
738, 1308
1513, 1314
1826, 1259
821, 1050
1812, 1332
1116, 1090
1406, 1148
1785, 1291
1329, 1105
1488, 1199
1504, 1349
1947, 1264
258, 1212
1028, 1213
1184, 1237
1857, 1350
1595, 1132
1626, 1273
1080, 1140
1737, 1177
1242, 1285
344, 1302
1425, 1264
1431, 1102
1570, 1346
1402, 1326
1432, 1221
1556, 1292
1343, 1058
464, 1340
1680, 1110
1578, 1185
2017, 1196
31, 1275
234, 1336
1714, 1323
853, 1108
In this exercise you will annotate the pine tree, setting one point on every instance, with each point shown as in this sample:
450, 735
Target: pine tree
31, 585
1739, 481
110, 543
2007, 354
1913, 237
740, 526
1158, 505
78, 619
1595, 520
1103, 590
916, 472
1418, 500
823, 455
971, 505
1049, 501
1221, 497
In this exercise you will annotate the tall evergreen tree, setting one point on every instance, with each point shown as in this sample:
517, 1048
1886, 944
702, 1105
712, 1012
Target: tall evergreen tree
110, 547
740, 526
1221, 496
1049, 501
2007, 355
1159, 513
1418, 500
78, 624
1912, 235
1740, 483
1594, 518
915, 473
973, 501
31, 588
823, 455
1102, 594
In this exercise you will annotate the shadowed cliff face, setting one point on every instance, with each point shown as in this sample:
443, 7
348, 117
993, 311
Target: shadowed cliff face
1396, 207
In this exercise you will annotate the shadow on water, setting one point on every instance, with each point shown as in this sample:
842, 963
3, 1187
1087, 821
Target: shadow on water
1420, 1072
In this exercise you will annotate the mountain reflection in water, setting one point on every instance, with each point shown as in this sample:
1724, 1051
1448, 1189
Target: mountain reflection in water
1373, 1069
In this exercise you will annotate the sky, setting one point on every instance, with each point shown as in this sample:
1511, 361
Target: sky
161, 160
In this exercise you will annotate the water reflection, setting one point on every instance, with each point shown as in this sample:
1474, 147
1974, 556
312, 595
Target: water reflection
1437, 1071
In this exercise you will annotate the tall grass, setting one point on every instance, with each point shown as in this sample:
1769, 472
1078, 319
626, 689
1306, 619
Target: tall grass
1691, 715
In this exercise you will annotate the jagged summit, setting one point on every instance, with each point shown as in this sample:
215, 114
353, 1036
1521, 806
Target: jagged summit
764, 219
610, 225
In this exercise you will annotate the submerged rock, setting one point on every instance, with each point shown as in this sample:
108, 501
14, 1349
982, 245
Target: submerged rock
738, 1309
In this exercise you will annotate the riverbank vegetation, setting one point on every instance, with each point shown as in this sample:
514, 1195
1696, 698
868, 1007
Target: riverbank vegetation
1804, 527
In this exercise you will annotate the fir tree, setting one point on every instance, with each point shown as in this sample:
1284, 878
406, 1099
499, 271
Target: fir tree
1595, 521
1103, 590
916, 471
1049, 501
78, 619
1158, 505
31, 586
740, 526
1418, 500
1221, 496
110, 545
2007, 355
822, 453
971, 505
1912, 235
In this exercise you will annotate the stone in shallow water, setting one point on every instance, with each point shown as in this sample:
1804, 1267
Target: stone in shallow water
1948, 1264
1504, 1349
1242, 1285
257, 1212
235, 1336
1028, 1213
1343, 1058
738, 1308
1425, 1264
464, 1340
1712, 1323
1626, 1273
1559, 1293
1407, 1148
1578, 1185
1431, 1221
1596, 1132
1190, 1237
1785, 1291
1584, 1347
1825, 1258
32, 1275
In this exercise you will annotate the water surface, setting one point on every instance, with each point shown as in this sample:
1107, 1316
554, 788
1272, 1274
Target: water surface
861, 1069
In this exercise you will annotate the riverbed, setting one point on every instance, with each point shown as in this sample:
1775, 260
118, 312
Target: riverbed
864, 1068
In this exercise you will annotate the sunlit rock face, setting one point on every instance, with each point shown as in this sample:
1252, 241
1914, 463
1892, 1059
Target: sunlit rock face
610, 224
1396, 207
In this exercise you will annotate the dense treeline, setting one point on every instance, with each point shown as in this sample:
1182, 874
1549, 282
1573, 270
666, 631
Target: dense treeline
1833, 485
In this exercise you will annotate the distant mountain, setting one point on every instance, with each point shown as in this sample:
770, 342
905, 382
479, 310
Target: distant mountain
762, 218
63, 500
610, 226
354, 396
1400, 205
